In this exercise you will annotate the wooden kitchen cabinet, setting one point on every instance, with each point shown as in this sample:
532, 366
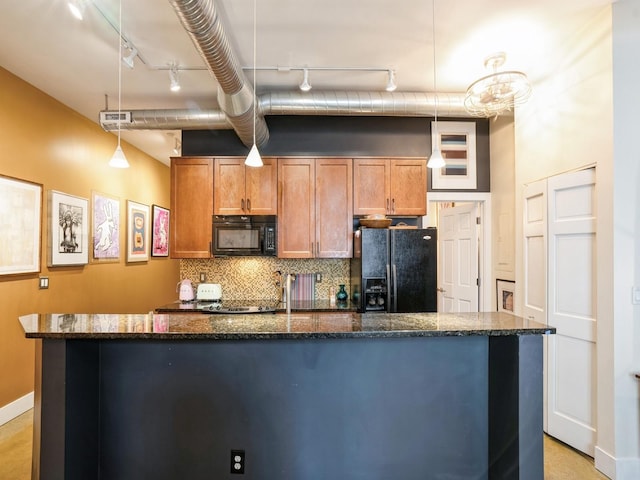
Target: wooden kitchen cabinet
314, 208
334, 204
389, 186
191, 207
242, 190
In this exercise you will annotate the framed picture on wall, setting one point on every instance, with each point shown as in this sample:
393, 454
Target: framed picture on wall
505, 295
137, 232
106, 228
159, 231
68, 230
457, 144
20, 220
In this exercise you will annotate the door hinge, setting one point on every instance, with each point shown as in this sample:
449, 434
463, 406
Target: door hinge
478, 222
477, 282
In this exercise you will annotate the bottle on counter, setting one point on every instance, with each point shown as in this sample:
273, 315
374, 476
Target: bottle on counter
332, 296
342, 295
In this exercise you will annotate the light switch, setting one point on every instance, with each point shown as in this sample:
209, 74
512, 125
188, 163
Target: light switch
636, 296
44, 282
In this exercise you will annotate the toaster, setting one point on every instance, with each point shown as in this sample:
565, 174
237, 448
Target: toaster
209, 292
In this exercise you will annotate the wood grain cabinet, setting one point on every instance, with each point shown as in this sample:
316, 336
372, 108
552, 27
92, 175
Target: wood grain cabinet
191, 207
315, 205
389, 186
242, 190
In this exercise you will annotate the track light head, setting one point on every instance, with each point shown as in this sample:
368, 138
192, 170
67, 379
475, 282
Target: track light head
391, 84
173, 76
128, 60
305, 86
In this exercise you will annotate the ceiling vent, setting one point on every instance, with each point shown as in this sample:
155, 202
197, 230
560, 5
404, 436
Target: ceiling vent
113, 119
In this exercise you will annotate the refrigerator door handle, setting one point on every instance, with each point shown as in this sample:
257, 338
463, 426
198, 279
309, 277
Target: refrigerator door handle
388, 309
395, 287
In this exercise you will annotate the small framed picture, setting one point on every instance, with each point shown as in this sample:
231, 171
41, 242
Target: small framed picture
505, 293
159, 231
106, 228
137, 232
69, 230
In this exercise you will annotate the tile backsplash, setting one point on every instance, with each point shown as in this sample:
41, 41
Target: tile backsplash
254, 278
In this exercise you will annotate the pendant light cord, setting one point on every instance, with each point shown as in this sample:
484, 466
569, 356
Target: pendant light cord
255, 91
119, 67
435, 88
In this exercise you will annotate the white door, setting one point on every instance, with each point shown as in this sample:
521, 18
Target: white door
534, 291
458, 257
571, 376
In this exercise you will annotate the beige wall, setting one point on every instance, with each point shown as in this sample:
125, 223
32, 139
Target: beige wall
47, 143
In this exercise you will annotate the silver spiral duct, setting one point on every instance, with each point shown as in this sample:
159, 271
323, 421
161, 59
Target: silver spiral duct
396, 104
235, 96
343, 103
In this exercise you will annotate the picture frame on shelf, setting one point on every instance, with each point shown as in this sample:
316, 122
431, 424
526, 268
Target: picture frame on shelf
106, 227
20, 226
505, 295
137, 232
68, 230
160, 231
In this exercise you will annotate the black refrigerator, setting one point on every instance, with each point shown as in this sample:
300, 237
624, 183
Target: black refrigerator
395, 270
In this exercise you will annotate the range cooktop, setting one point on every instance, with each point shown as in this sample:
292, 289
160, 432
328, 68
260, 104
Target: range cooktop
237, 306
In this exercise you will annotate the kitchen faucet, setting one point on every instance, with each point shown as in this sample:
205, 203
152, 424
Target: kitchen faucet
287, 292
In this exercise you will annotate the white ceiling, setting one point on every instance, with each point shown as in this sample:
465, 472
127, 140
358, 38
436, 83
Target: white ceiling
76, 62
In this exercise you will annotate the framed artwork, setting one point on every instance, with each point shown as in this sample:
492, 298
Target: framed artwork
137, 232
106, 228
457, 143
505, 295
160, 232
20, 221
69, 228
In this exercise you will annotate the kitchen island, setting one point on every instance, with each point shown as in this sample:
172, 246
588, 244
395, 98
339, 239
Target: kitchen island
302, 396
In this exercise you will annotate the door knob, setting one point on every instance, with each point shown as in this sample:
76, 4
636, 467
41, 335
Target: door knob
442, 290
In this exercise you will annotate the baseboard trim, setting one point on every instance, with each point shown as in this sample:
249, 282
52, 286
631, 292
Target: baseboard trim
16, 408
617, 468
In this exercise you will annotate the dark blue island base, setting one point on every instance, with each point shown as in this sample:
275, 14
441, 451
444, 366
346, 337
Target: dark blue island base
404, 407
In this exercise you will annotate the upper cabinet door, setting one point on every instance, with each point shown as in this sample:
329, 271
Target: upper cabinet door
334, 207
191, 207
408, 180
229, 194
296, 207
242, 190
371, 186
261, 187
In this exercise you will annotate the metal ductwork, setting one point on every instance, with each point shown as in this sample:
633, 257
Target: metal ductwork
394, 104
338, 103
235, 96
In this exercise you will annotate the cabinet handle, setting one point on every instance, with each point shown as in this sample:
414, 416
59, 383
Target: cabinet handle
388, 211
242, 204
393, 205
248, 204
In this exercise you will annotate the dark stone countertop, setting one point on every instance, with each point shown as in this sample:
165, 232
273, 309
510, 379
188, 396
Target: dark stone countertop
313, 325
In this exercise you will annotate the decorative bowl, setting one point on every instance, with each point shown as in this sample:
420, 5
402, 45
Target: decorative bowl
375, 222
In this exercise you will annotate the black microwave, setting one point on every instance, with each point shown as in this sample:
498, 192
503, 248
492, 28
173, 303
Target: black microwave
236, 235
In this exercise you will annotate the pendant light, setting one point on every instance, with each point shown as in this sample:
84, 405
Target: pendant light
254, 159
118, 160
436, 160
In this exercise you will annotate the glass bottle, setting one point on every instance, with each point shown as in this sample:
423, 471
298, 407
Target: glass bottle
342, 294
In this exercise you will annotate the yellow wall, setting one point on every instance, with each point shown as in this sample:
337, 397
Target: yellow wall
45, 142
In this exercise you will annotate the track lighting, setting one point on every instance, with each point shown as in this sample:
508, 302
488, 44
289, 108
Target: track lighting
436, 160
391, 84
173, 76
177, 146
128, 60
305, 86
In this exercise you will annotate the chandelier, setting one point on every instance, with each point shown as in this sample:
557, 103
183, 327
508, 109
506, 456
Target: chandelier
498, 92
